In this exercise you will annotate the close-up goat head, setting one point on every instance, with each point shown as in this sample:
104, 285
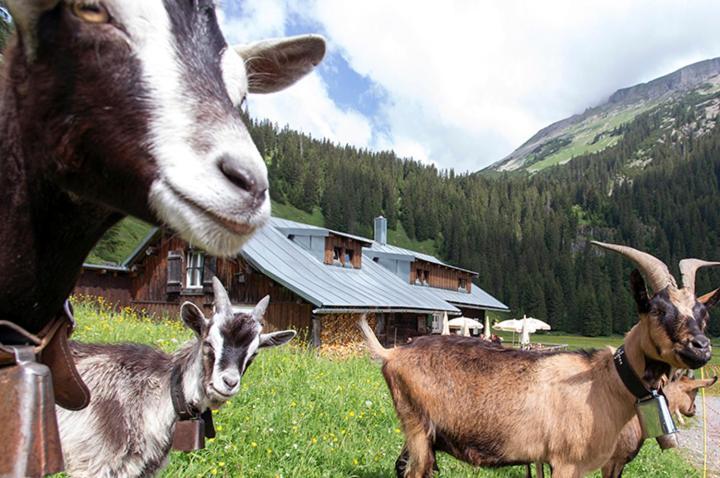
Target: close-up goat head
133, 105
229, 342
673, 318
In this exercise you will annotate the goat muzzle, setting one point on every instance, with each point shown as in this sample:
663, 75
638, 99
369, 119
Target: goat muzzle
696, 353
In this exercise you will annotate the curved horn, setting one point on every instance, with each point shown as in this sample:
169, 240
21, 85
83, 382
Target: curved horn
688, 269
221, 298
655, 270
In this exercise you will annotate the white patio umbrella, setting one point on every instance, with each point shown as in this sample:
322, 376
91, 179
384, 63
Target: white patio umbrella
486, 330
524, 334
464, 323
525, 327
445, 325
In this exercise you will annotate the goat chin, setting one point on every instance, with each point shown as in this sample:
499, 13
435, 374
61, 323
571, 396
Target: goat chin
210, 230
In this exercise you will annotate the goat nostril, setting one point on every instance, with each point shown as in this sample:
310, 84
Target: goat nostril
230, 382
700, 342
238, 176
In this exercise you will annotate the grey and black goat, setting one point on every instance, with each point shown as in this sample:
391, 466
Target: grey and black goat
128, 428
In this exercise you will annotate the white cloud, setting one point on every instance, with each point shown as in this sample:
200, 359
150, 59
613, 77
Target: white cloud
465, 82
307, 107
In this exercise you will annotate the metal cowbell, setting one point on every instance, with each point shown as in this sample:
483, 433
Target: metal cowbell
30, 445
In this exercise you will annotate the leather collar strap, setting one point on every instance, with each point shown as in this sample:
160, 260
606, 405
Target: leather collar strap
183, 409
628, 376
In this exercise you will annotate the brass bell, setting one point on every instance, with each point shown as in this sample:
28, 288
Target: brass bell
30, 445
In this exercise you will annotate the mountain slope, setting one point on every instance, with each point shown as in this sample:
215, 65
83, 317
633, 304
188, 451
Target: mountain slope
602, 126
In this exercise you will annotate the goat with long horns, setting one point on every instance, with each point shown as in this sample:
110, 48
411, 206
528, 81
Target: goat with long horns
674, 317
566, 409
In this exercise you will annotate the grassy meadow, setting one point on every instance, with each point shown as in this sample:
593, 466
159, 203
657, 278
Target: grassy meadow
300, 414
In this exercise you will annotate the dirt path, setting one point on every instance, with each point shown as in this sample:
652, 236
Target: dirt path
691, 439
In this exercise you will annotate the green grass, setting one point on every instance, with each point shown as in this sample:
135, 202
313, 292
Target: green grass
287, 211
584, 133
398, 237
301, 415
119, 242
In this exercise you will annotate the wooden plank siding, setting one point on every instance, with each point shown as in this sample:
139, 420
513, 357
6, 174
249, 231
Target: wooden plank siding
345, 244
116, 287
146, 288
438, 276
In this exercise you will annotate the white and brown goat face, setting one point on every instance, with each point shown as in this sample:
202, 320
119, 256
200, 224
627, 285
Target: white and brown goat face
230, 342
134, 103
673, 318
676, 321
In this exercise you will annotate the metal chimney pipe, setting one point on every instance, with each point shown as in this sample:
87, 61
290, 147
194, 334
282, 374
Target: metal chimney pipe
381, 230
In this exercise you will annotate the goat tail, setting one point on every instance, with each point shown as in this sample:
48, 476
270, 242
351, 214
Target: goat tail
377, 351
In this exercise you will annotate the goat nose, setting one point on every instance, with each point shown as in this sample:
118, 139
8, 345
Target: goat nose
700, 342
254, 184
230, 381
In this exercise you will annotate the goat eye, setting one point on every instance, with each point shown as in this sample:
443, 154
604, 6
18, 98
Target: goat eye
91, 12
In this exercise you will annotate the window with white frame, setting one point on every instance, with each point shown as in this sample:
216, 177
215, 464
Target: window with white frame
194, 270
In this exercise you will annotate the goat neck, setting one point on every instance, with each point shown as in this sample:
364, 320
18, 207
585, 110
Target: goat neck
46, 232
189, 361
651, 372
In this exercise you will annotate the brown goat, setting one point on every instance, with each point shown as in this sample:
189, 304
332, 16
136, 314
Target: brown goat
492, 406
681, 395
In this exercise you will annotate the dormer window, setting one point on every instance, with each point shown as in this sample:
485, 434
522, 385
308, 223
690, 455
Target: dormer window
349, 254
337, 255
422, 277
194, 269
462, 284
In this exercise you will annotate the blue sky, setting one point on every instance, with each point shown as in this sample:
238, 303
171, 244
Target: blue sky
462, 83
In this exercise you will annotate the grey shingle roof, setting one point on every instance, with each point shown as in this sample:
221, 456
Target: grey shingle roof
331, 287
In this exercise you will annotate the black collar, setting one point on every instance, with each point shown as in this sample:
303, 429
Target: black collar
628, 376
183, 409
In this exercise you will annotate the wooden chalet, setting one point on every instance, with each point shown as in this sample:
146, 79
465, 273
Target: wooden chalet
313, 275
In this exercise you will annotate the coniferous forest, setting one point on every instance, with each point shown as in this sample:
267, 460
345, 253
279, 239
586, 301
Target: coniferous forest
527, 235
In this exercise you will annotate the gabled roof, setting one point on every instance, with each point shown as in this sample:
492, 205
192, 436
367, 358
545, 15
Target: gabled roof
395, 252
332, 288
289, 227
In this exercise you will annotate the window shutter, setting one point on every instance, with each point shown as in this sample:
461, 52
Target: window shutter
209, 271
174, 272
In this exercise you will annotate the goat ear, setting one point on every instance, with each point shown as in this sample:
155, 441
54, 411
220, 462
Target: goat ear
25, 14
639, 291
259, 311
193, 317
276, 338
708, 382
710, 299
273, 65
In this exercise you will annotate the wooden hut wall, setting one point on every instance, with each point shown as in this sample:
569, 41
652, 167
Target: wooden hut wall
113, 286
332, 241
477, 314
440, 276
